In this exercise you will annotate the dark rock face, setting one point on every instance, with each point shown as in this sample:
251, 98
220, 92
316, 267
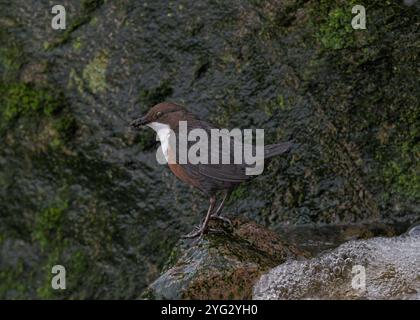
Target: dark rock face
221, 266
78, 188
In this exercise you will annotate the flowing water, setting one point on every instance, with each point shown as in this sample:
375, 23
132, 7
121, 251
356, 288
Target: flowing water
378, 268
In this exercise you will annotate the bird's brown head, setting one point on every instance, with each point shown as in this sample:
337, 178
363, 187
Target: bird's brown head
164, 113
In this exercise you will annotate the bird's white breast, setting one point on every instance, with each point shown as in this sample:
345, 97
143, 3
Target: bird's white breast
163, 131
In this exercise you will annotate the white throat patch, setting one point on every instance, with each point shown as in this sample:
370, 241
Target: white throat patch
163, 131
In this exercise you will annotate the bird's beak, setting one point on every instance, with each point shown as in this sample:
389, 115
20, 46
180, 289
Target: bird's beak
137, 123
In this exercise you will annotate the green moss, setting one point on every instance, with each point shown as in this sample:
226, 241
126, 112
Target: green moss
48, 225
77, 44
48, 231
76, 264
93, 21
21, 100
80, 263
45, 291
95, 72
57, 249
331, 22
148, 294
403, 175
273, 105
12, 282
24, 99
336, 32
11, 58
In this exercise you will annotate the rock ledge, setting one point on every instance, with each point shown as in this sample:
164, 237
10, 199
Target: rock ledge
221, 266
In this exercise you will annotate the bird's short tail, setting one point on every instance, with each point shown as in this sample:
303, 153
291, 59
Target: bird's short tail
272, 150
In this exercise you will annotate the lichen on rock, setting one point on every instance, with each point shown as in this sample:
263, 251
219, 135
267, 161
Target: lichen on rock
95, 72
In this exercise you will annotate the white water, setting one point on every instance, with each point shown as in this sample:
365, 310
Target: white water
392, 269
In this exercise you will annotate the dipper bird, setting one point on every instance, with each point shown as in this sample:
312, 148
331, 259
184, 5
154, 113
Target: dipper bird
164, 118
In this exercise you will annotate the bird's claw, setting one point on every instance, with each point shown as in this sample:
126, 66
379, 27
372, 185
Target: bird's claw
224, 219
195, 233
199, 232
217, 231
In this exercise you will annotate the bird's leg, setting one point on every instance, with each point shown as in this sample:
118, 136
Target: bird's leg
199, 233
217, 215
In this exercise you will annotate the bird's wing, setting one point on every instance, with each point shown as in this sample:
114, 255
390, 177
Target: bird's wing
229, 172
223, 172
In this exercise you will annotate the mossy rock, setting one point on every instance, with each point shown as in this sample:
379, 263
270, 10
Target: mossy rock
24, 99
42, 104
221, 266
95, 72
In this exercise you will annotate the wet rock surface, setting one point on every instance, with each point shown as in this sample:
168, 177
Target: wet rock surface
378, 268
78, 188
221, 266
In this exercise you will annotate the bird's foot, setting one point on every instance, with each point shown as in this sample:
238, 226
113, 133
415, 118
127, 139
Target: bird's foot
216, 231
224, 219
197, 232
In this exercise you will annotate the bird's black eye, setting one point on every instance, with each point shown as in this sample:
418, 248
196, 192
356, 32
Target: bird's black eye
158, 114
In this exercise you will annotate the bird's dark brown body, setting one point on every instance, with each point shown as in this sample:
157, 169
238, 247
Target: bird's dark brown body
208, 177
